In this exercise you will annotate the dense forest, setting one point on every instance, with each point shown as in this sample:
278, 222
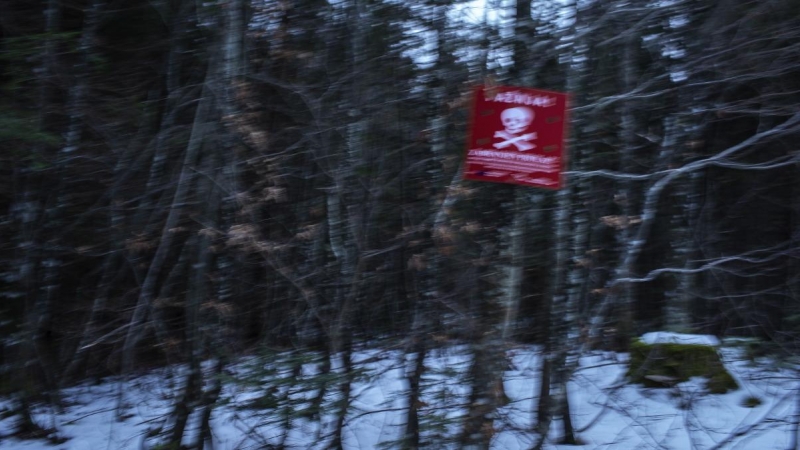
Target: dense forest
185, 182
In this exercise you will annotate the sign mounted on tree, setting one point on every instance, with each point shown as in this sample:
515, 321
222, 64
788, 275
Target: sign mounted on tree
517, 136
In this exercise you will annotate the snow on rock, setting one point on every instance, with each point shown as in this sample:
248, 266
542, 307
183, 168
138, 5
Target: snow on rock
665, 337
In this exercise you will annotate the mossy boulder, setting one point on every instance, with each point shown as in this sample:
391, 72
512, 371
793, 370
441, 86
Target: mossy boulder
664, 364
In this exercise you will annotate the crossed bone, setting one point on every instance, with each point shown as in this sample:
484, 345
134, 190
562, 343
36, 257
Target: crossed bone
521, 142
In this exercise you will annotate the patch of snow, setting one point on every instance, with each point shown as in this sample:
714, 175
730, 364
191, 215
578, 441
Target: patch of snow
665, 337
607, 412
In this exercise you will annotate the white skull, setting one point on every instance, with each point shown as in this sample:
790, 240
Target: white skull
516, 120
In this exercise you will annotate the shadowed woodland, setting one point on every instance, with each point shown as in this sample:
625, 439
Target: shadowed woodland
184, 182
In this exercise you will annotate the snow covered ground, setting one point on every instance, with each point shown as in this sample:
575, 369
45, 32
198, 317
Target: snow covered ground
608, 413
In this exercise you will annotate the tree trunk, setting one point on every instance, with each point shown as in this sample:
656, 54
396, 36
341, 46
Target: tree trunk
411, 436
345, 390
627, 193
514, 255
148, 289
563, 318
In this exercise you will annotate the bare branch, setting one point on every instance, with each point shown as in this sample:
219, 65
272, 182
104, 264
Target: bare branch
772, 254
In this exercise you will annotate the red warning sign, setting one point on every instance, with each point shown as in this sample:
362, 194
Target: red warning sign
517, 136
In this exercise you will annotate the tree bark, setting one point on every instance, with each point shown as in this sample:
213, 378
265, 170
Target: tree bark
148, 289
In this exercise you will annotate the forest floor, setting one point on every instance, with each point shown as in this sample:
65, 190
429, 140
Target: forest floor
275, 399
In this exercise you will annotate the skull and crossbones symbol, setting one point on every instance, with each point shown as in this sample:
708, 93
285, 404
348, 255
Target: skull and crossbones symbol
516, 120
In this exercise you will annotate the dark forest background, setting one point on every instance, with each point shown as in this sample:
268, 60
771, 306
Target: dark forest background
184, 181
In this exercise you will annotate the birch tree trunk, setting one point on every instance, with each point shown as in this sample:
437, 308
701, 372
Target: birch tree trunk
514, 255
570, 260
426, 277
346, 208
678, 310
561, 345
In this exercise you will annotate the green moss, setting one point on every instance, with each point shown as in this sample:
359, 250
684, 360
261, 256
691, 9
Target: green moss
652, 365
168, 446
751, 402
721, 382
